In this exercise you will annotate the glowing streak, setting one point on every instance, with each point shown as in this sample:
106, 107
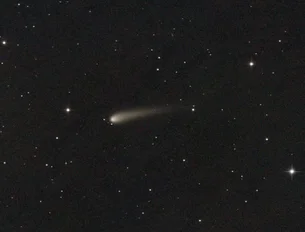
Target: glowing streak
131, 115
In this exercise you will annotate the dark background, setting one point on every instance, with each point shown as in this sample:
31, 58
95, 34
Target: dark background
211, 169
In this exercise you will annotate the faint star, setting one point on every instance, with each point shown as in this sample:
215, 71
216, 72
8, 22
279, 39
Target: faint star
4, 42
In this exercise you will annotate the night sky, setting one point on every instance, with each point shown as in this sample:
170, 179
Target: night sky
225, 152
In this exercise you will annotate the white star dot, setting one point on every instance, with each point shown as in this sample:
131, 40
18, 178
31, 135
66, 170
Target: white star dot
291, 172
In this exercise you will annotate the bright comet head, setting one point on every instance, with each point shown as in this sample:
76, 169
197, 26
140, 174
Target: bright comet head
113, 119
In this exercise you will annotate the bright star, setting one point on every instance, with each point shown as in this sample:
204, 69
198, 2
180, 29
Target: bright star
292, 172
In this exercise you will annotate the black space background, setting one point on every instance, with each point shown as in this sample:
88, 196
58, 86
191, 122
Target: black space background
207, 170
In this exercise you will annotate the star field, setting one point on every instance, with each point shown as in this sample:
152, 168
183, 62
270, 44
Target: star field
229, 157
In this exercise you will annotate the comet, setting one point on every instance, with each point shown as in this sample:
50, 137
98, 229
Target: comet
121, 117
